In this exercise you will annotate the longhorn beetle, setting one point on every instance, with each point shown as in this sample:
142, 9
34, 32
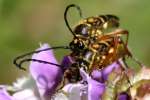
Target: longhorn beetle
91, 47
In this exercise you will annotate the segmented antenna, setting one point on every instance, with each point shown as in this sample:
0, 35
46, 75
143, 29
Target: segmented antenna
19, 64
65, 16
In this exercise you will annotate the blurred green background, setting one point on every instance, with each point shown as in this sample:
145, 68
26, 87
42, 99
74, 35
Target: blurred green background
26, 23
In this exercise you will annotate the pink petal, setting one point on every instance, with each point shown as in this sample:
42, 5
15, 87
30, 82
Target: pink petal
26, 94
106, 71
47, 76
95, 89
4, 95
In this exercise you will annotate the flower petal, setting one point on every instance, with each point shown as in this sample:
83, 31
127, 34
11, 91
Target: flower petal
73, 91
26, 94
102, 75
4, 95
66, 62
95, 89
109, 69
97, 75
47, 76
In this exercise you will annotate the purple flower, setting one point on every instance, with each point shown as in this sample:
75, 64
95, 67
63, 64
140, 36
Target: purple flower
67, 61
96, 86
43, 80
47, 76
101, 75
4, 95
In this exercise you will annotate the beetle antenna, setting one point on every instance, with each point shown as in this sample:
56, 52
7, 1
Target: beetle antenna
65, 16
19, 65
15, 61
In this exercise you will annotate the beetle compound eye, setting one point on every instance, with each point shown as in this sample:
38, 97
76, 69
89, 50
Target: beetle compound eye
82, 29
80, 45
77, 45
